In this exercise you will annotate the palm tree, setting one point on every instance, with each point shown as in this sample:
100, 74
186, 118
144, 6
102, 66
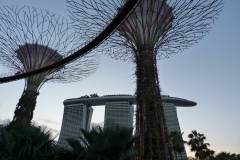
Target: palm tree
112, 143
177, 142
4, 144
23, 141
197, 144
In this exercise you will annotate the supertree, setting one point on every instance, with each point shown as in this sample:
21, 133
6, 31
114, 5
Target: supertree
31, 39
157, 29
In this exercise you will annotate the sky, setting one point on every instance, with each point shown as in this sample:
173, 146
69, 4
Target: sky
207, 73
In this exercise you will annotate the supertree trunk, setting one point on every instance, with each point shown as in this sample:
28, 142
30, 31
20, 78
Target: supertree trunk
150, 121
26, 106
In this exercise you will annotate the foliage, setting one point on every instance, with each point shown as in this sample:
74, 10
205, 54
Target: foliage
220, 156
226, 156
86, 96
177, 142
113, 143
203, 153
91, 96
4, 144
198, 146
94, 95
23, 141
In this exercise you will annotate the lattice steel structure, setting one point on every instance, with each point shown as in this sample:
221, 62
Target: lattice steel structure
32, 39
85, 47
157, 29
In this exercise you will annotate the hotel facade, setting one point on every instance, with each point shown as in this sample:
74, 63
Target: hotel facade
119, 110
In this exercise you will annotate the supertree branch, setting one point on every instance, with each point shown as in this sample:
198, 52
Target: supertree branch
192, 21
32, 39
89, 17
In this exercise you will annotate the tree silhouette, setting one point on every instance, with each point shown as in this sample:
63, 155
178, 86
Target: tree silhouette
198, 146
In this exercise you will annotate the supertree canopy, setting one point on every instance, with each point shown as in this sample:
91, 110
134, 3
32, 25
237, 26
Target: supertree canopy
157, 29
150, 21
34, 56
31, 39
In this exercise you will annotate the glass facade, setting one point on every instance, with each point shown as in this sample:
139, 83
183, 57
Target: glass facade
172, 123
75, 117
120, 113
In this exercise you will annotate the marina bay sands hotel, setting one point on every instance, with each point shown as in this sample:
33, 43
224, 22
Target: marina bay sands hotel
118, 109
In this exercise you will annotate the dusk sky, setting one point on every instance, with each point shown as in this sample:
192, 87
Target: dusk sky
207, 73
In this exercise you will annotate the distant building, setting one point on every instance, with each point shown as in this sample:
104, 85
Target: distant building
120, 113
170, 112
118, 109
75, 117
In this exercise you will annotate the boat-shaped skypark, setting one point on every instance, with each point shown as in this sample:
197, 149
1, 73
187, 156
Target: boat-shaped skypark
96, 101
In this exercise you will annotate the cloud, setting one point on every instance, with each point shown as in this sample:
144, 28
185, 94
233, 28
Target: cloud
49, 121
94, 124
5, 122
54, 132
